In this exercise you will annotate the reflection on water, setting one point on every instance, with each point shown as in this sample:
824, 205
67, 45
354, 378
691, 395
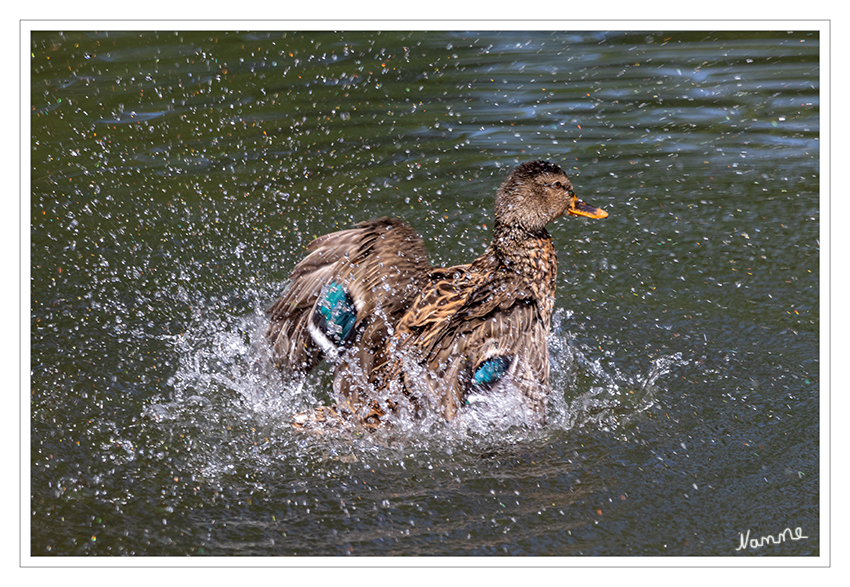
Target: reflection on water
177, 178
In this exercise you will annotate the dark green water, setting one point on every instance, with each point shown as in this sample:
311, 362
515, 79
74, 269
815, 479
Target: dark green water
177, 177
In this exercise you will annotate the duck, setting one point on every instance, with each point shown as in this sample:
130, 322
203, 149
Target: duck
404, 335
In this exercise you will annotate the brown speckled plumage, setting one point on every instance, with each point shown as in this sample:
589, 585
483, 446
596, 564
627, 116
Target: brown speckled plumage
382, 262
439, 327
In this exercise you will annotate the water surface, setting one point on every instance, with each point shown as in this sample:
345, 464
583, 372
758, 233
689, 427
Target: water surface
177, 177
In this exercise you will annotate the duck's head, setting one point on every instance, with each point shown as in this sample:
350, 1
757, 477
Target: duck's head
535, 194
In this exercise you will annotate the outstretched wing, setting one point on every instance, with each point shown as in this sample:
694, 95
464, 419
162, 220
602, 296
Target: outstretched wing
351, 286
473, 334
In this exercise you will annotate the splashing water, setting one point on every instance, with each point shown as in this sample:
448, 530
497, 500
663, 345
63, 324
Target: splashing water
614, 397
225, 378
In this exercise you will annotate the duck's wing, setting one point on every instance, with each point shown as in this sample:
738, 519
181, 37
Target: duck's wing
492, 351
474, 335
350, 288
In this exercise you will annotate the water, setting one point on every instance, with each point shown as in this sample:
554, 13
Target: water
177, 177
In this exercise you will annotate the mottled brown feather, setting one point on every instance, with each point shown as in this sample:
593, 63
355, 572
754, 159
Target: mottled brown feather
381, 262
467, 314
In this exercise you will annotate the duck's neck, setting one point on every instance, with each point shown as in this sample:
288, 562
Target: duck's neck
523, 252
530, 255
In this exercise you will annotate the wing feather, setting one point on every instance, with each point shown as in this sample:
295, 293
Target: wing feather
459, 321
379, 262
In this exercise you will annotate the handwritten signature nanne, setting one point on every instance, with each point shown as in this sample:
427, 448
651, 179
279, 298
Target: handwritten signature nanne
786, 534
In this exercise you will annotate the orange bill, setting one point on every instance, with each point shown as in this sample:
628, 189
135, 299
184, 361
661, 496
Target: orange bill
579, 208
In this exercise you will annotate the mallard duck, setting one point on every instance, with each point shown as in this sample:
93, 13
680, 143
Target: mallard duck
401, 330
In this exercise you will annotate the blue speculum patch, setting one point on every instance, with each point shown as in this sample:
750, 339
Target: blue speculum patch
336, 314
490, 371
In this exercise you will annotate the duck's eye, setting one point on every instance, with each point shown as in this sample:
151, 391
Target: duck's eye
558, 184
